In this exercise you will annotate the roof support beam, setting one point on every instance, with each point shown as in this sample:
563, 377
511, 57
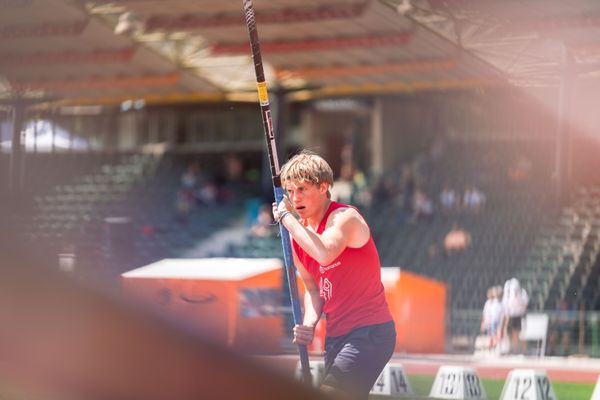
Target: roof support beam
319, 44
286, 15
396, 87
353, 70
546, 24
87, 57
99, 83
44, 29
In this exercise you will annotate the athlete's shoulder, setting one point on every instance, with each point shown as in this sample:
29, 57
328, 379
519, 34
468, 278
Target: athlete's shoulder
346, 216
345, 210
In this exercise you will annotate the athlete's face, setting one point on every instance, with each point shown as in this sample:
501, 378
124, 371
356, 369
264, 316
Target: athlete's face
307, 198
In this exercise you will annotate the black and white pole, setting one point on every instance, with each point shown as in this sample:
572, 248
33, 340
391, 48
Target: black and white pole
272, 151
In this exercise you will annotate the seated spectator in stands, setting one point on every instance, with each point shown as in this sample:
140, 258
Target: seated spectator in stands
515, 301
448, 199
407, 188
234, 169
473, 198
383, 189
223, 189
195, 189
183, 204
341, 191
191, 177
361, 193
422, 208
492, 319
263, 226
456, 240
562, 326
207, 194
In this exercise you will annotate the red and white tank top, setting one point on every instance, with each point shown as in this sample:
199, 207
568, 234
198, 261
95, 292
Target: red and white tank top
350, 286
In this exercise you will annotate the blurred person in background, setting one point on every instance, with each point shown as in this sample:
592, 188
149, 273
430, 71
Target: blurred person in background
562, 327
456, 240
190, 177
515, 301
473, 198
339, 264
234, 169
361, 192
493, 316
207, 194
407, 187
342, 187
422, 206
263, 225
187, 191
384, 189
448, 199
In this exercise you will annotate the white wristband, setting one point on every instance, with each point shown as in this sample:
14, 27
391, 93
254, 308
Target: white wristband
282, 215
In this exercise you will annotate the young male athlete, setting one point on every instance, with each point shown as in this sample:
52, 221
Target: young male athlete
339, 264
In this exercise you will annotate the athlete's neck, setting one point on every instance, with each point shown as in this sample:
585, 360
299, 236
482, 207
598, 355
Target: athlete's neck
315, 220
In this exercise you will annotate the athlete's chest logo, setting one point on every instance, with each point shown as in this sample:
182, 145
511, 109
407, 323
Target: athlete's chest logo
325, 289
323, 269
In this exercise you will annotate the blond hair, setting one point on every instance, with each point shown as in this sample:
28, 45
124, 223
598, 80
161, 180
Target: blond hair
306, 166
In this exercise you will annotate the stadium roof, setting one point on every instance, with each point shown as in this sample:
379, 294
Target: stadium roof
181, 50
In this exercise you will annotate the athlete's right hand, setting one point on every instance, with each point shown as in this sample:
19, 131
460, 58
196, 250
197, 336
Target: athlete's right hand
284, 206
303, 334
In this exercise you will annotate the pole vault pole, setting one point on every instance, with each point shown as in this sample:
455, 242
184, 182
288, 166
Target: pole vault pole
278, 190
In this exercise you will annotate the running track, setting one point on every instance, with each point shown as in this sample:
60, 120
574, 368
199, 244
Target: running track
559, 369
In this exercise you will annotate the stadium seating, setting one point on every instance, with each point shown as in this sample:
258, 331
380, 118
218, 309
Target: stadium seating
501, 232
71, 207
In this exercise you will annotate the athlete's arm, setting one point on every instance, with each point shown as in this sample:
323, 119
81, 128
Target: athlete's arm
313, 306
345, 228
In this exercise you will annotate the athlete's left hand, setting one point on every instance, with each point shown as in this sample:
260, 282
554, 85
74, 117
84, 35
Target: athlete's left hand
303, 334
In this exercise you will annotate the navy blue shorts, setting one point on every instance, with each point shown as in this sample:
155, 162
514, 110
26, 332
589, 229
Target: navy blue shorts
354, 361
514, 324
